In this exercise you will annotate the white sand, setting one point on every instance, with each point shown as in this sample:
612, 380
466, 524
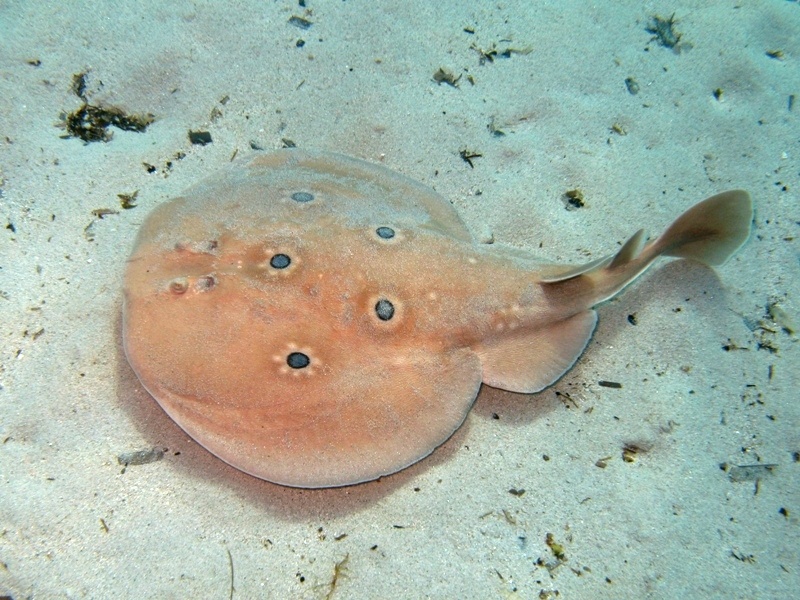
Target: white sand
671, 524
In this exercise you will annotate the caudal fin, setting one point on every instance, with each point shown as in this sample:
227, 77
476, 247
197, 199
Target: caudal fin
711, 231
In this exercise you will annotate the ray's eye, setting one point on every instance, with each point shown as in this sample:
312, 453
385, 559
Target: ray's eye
384, 309
298, 360
302, 197
179, 286
280, 261
385, 233
206, 282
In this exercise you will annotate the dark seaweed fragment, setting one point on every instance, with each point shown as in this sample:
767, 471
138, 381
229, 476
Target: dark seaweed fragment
200, 138
468, 156
632, 86
90, 123
444, 76
300, 22
574, 199
664, 32
79, 84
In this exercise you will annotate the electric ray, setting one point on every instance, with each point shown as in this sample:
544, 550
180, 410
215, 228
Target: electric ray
316, 320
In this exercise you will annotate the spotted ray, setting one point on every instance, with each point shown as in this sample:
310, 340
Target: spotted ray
316, 320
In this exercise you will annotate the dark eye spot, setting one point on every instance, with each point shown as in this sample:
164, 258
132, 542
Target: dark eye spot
280, 261
385, 233
384, 309
302, 197
298, 360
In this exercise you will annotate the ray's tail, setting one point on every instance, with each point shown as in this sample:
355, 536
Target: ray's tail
529, 359
710, 232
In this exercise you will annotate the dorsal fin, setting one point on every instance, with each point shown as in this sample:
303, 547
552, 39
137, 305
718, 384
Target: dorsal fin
629, 250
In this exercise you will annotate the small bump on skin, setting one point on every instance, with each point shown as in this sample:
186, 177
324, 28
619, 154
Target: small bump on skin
384, 309
507, 318
204, 247
302, 197
385, 233
280, 261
